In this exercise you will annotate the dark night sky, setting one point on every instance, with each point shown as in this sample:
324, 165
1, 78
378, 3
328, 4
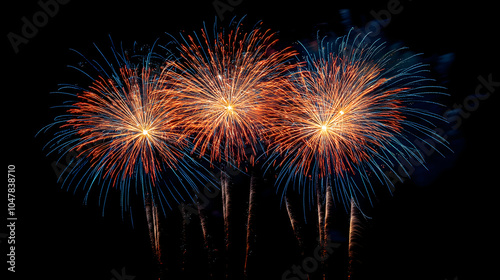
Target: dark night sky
438, 227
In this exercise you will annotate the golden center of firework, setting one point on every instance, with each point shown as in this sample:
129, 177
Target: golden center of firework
331, 124
229, 108
144, 131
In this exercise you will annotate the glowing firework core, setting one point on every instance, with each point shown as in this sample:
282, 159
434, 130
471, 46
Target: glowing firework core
145, 132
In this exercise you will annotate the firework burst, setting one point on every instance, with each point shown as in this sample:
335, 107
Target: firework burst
350, 114
124, 129
223, 83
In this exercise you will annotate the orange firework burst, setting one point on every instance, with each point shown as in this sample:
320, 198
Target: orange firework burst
348, 112
223, 85
122, 125
332, 118
125, 128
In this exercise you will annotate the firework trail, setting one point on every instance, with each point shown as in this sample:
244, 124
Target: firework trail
324, 201
355, 229
328, 211
223, 82
154, 229
351, 113
250, 240
292, 216
212, 252
125, 131
320, 201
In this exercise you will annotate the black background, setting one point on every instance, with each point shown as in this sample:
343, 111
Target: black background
439, 230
